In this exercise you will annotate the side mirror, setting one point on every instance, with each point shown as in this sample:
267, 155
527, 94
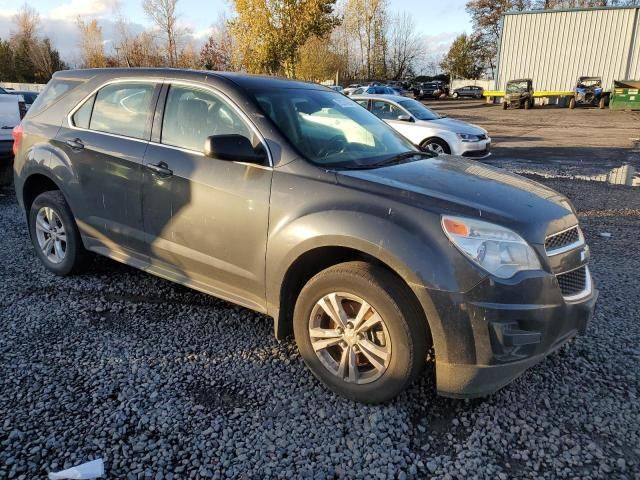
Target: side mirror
236, 148
405, 118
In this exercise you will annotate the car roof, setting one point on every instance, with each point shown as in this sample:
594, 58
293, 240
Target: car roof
245, 81
393, 98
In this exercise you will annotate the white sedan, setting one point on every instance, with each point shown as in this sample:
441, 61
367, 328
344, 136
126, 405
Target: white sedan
426, 128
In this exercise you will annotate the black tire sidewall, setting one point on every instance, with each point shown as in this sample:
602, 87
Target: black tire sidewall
404, 346
75, 249
437, 141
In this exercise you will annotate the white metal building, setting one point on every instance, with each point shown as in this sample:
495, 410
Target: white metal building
555, 47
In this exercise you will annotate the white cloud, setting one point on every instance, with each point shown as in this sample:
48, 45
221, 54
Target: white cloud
83, 8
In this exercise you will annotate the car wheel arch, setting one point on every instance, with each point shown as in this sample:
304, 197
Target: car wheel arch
35, 184
433, 138
312, 262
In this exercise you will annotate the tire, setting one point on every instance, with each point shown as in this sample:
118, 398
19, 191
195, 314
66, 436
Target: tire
527, 104
66, 256
455, 95
505, 105
400, 332
572, 103
436, 145
602, 103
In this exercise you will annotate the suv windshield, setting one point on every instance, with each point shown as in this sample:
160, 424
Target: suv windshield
517, 87
331, 130
418, 110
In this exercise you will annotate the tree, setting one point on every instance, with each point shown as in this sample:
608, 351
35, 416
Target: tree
461, 61
163, 14
273, 31
23, 39
317, 61
46, 60
7, 67
91, 44
366, 23
405, 45
217, 52
485, 18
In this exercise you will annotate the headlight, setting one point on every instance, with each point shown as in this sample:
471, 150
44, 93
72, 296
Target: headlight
496, 249
467, 137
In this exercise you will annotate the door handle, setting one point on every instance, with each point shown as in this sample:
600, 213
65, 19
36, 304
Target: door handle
75, 144
161, 169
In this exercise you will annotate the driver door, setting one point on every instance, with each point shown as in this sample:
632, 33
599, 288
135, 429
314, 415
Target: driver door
205, 219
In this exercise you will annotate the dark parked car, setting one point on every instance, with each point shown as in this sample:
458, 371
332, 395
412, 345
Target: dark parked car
470, 91
427, 90
292, 200
29, 97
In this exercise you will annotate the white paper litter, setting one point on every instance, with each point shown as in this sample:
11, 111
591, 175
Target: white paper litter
605, 234
86, 471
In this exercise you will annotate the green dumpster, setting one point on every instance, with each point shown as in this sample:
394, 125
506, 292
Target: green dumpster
626, 95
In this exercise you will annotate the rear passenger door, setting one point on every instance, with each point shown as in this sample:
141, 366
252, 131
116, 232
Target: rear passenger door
105, 142
205, 219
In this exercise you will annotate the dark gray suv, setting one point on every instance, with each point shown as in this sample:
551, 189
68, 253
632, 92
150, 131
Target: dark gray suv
293, 200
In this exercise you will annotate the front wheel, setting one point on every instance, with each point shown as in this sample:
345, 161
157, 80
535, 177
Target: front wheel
455, 95
436, 145
504, 105
602, 103
54, 234
359, 332
572, 103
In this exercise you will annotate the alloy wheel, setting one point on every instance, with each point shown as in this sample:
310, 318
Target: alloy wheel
51, 235
435, 147
350, 338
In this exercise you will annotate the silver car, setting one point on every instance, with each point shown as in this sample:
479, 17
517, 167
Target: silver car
426, 128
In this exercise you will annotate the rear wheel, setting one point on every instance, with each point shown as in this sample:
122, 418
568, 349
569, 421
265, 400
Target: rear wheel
436, 145
504, 104
54, 234
602, 103
359, 332
455, 95
572, 103
527, 104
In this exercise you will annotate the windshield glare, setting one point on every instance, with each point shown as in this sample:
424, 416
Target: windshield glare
418, 110
517, 87
331, 130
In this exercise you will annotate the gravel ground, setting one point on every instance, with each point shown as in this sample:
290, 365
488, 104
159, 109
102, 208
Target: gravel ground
163, 382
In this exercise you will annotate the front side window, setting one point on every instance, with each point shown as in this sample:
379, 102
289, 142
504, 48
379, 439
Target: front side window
386, 110
123, 109
418, 110
192, 114
329, 129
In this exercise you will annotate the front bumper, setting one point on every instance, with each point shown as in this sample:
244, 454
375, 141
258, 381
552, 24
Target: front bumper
496, 331
476, 150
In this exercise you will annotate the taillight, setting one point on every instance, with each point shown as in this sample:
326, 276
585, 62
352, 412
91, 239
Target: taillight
17, 133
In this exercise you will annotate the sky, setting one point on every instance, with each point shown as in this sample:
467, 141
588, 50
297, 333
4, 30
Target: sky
438, 21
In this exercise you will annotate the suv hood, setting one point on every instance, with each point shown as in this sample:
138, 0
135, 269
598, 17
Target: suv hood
454, 185
456, 126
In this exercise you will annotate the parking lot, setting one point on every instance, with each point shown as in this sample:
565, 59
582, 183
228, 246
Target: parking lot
553, 140
164, 382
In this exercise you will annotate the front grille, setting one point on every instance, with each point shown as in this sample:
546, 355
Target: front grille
573, 282
562, 239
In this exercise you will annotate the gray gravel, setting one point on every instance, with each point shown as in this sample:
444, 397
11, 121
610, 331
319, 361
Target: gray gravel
163, 382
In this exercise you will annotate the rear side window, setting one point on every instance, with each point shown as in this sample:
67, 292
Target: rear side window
123, 109
54, 90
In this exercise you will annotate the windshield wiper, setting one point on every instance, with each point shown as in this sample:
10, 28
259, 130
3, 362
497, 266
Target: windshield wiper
400, 157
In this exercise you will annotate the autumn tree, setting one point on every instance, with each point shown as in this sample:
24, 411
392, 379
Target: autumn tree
317, 60
163, 14
461, 61
273, 31
217, 52
91, 44
485, 18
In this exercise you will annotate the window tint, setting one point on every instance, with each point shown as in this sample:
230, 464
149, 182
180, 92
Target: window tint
364, 103
191, 115
83, 114
386, 110
123, 109
54, 90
